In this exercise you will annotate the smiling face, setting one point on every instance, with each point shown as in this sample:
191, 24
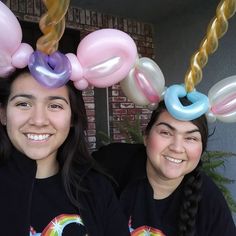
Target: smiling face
173, 148
38, 119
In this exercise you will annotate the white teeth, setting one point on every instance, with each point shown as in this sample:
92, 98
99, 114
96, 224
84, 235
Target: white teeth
173, 160
38, 137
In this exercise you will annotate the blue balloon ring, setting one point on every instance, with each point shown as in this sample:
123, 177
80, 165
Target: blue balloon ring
199, 106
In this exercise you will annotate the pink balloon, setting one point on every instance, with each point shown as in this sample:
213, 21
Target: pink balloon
5, 64
106, 55
227, 105
81, 84
222, 97
11, 33
145, 86
77, 70
145, 83
21, 57
13, 53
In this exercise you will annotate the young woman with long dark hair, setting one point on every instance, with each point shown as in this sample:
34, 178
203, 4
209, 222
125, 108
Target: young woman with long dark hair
49, 183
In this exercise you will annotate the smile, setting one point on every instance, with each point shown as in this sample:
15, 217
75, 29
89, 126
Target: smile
171, 159
38, 137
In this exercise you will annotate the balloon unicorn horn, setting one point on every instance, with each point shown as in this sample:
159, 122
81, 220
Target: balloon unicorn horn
48, 66
216, 29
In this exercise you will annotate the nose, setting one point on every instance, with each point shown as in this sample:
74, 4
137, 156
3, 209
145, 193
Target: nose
177, 145
39, 116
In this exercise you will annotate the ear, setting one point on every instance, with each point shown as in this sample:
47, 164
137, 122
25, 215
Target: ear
3, 117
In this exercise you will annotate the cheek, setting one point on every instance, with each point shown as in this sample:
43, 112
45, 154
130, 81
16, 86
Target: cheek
14, 120
63, 122
155, 143
12, 127
195, 152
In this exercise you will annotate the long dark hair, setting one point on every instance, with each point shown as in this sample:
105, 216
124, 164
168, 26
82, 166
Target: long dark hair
74, 152
192, 182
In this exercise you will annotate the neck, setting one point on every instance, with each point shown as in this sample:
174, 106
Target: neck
162, 187
47, 168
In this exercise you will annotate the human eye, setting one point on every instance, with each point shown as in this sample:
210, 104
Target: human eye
23, 105
165, 133
55, 107
192, 138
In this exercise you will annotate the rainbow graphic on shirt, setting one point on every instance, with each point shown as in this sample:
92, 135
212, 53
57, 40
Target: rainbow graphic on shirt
146, 231
57, 225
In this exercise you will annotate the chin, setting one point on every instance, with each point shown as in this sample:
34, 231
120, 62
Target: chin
174, 176
38, 155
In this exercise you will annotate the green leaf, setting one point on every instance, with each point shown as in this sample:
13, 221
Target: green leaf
213, 164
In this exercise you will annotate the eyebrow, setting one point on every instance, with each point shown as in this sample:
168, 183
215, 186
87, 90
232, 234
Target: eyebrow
50, 98
174, 129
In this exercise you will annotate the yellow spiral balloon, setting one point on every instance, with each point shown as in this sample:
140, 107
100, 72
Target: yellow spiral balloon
216, 29
52, 24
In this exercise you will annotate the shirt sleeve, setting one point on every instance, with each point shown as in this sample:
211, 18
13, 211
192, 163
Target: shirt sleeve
121, 161
114, 220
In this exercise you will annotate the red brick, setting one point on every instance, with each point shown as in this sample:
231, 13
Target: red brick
133, 111
76, 15
115, 105
91, 132
126, 117
119, 111
118, 137
91, 126
89, 105
118, 99
126, 105
82, 17
91, 119
115, 92
115, 118
92, 139
88, 99
90, 113
143, 117
116, 86
115, 131
88, 92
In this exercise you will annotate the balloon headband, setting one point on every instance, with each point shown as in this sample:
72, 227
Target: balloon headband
108, 56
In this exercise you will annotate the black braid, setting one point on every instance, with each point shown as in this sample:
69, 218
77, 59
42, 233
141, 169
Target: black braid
189, 207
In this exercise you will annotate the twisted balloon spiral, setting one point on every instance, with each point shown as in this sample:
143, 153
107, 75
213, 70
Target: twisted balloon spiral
52, 24
216, 29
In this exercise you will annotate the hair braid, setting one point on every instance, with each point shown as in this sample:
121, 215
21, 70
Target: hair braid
189, 207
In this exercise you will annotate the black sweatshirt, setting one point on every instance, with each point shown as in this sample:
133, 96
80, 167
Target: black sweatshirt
24, 202
127, 164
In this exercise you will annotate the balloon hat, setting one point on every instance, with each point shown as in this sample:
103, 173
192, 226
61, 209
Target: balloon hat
145, 83
103, 58
109, 56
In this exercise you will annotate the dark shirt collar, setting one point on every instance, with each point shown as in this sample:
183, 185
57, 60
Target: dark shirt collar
23, 164
139, 165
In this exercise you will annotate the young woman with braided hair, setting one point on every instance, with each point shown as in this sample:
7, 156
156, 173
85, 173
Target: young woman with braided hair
161, 185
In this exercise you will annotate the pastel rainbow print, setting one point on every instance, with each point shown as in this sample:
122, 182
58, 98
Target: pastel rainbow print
56, 226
